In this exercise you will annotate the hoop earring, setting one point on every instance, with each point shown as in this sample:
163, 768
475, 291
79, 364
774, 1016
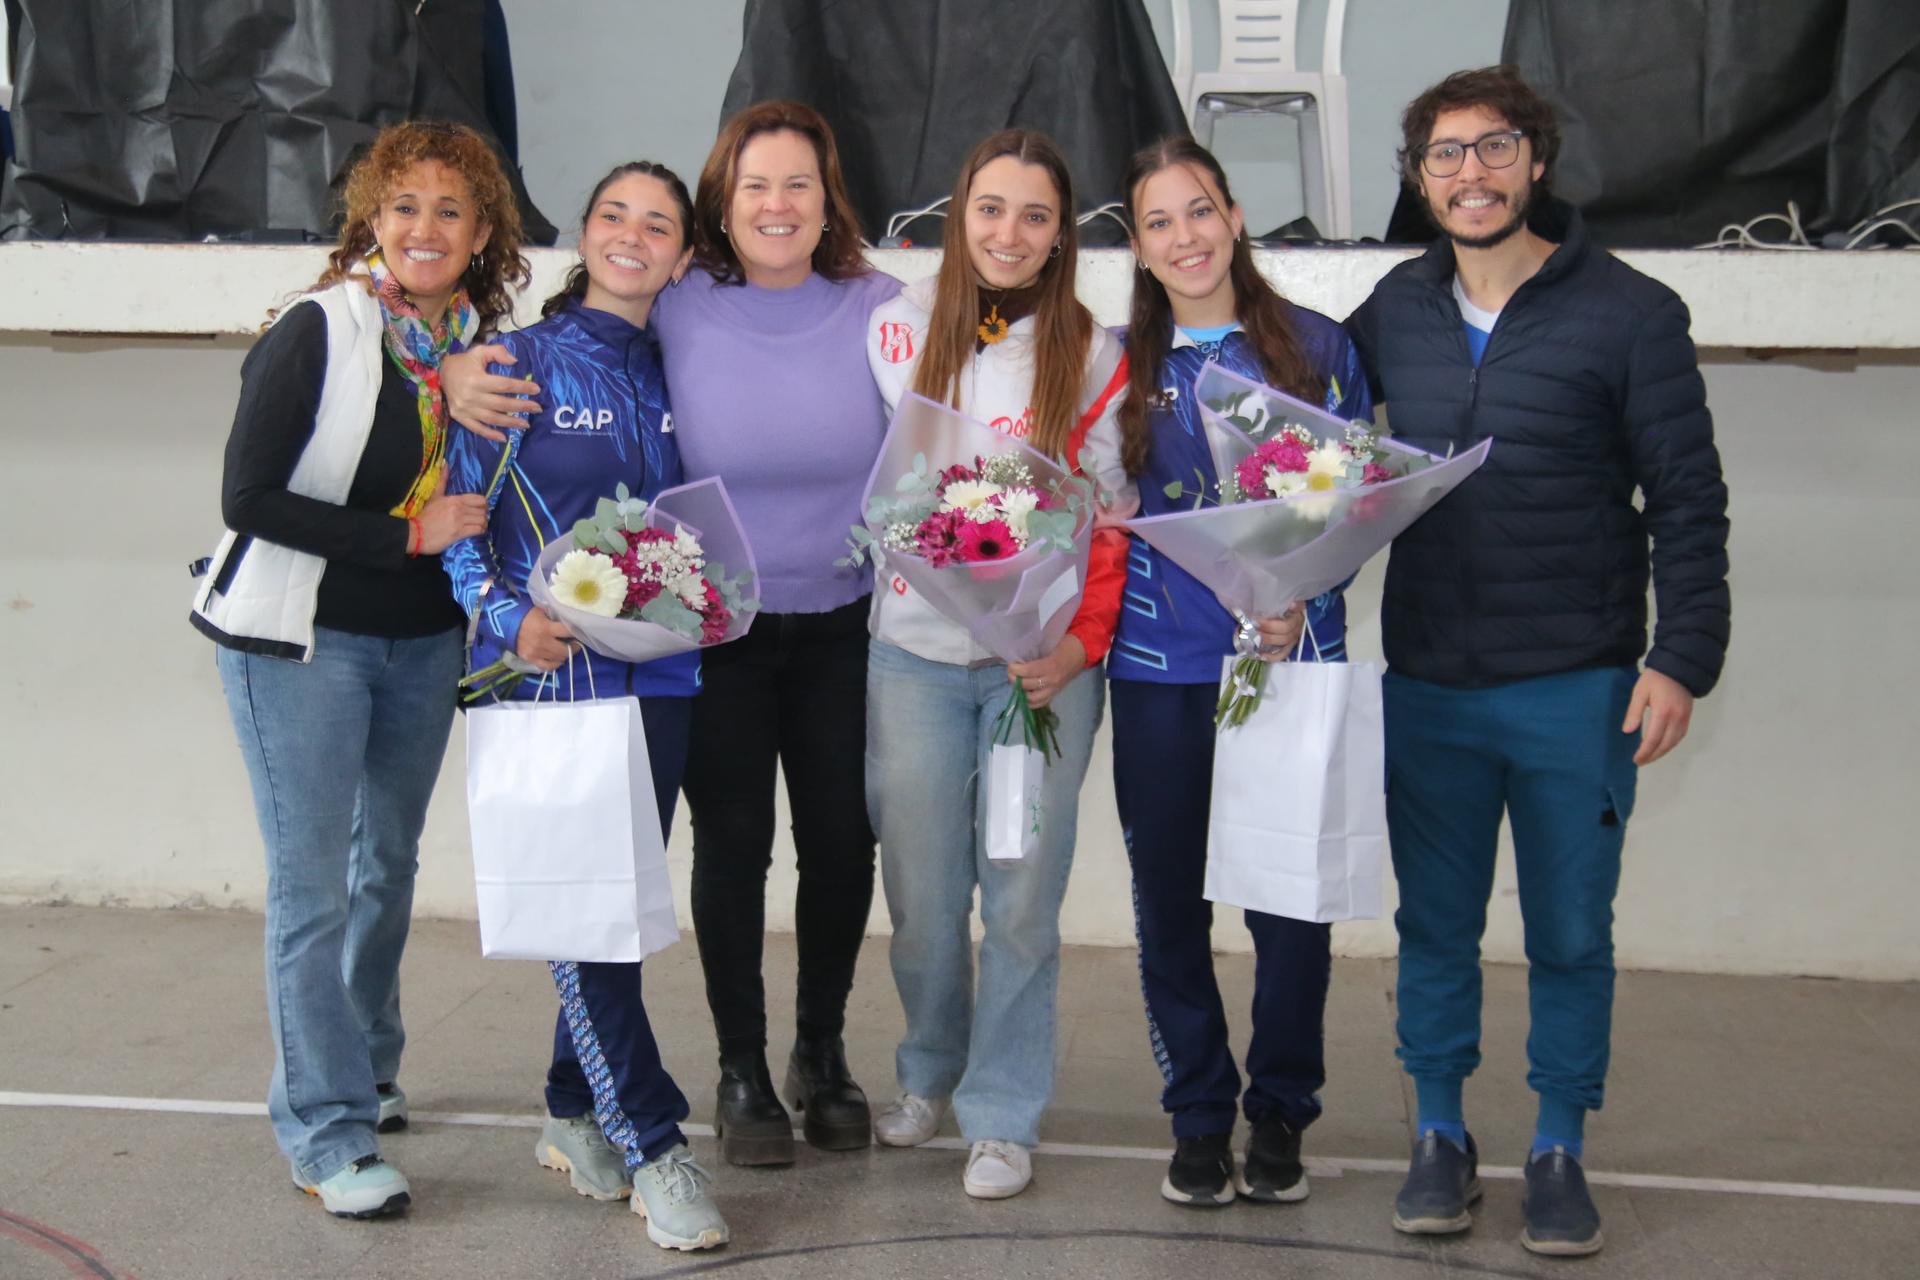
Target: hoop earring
1056, 250
1139, 264
825, 226
723, 226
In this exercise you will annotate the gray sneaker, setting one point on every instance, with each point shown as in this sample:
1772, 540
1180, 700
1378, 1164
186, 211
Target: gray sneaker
576, 1146
670, 1192
393, 1108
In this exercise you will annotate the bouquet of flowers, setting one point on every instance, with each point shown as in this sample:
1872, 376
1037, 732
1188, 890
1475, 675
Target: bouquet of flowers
638, 581
993, 533
989, 508
1301, 501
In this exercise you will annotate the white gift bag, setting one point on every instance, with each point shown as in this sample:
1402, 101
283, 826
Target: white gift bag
1015, 774
1299, 817
568, 860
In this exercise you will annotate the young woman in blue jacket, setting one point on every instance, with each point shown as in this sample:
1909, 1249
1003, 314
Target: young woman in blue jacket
613, 1112
1197, 297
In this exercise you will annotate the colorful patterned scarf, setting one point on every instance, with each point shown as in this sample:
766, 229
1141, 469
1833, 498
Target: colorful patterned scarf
418, 349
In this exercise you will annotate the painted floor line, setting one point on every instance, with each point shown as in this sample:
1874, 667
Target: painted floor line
1318, 1166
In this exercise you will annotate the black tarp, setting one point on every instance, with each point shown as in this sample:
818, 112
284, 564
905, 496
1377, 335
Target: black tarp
910, 86
233, 119
1682, 116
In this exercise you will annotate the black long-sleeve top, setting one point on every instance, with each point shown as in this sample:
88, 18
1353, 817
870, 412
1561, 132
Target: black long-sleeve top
370, 585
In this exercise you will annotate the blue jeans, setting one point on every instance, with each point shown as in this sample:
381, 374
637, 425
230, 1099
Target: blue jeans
343, 752
929, 731
1549, 754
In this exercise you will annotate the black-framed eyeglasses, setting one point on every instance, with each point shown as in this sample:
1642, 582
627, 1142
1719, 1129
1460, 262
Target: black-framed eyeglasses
1497, 150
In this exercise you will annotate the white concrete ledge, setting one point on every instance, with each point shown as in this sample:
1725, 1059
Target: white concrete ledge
1739, 298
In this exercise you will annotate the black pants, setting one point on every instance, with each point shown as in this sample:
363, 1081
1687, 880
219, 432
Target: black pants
794, 690
1163, 739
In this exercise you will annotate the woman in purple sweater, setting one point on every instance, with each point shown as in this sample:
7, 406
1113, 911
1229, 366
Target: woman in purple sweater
766, 362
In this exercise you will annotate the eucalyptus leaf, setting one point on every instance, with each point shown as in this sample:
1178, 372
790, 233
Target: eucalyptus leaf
666, 610
620, 492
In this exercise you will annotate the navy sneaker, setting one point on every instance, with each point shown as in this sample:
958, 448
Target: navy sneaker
1442, 1180
1560, 1216
1201, 1174
1271, 1170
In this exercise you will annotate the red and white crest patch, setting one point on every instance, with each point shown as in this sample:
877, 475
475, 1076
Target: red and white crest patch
896, 341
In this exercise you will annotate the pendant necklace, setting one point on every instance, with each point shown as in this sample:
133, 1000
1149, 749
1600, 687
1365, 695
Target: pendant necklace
994, 327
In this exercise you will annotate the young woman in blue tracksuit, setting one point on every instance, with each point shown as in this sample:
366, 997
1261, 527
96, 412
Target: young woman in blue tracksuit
613, 1112
1198, 297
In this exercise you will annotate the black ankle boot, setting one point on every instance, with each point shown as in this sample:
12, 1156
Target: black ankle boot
752, 1126
833, 1110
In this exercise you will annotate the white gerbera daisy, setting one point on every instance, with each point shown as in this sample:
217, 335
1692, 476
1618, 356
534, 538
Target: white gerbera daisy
589, 582
1326, 467
965, 495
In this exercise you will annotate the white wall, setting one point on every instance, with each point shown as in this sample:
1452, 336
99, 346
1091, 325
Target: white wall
1778, 839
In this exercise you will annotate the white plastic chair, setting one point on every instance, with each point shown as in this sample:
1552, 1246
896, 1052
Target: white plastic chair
1259, 75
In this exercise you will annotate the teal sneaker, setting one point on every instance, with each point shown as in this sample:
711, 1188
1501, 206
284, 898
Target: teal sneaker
367, 1188
670, 1192
393, 1108
576, 1146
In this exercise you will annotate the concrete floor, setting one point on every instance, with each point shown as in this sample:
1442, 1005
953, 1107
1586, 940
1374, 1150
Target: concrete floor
1715, 1080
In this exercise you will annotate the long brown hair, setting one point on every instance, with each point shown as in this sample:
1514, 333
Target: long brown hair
495, 270
1257, 305
575, 285
1063, 327
837, 256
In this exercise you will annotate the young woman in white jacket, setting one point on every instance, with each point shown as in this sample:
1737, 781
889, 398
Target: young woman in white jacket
999, 335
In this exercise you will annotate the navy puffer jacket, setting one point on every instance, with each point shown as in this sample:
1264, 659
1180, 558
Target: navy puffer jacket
1538, 563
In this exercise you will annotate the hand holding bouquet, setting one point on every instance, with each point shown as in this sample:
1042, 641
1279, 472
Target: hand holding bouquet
638, 581
993, 533
1301, 501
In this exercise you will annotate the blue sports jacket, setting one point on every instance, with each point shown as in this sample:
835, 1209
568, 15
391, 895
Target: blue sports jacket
604, 420
1172, 628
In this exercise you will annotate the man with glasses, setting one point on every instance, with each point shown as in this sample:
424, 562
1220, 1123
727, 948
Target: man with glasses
1514, 618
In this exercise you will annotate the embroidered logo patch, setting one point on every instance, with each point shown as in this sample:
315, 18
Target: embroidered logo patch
896, 341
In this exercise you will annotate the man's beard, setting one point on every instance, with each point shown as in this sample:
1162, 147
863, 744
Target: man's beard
1520, 206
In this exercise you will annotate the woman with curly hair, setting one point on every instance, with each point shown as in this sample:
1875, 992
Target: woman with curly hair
339, 638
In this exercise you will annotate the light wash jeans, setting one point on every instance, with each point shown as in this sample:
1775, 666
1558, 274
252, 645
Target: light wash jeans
990, 1048
343, 753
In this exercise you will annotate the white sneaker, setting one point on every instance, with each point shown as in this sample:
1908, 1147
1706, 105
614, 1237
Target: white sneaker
909, 1121
996, 1170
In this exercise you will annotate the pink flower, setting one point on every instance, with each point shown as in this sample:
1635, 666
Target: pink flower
639, 589
1375, 473
958, 471
938, 536
986, 540
715, 617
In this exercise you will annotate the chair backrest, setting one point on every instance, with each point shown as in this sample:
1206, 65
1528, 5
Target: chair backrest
1256, 36
1259, 36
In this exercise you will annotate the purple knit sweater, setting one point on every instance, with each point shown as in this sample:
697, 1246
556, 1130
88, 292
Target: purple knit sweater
771, 393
